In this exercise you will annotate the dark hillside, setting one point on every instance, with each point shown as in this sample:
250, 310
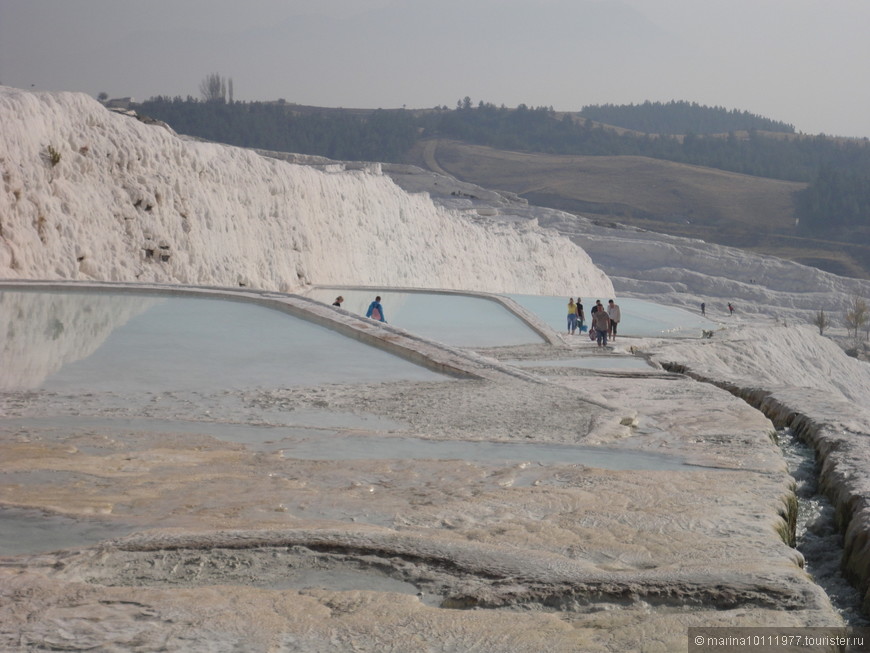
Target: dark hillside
818, 184
690, 201
675, 118
387, 135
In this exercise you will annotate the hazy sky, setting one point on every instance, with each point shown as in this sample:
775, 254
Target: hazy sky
804, 62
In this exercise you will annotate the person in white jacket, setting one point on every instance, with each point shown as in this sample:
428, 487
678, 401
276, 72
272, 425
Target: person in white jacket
615, 316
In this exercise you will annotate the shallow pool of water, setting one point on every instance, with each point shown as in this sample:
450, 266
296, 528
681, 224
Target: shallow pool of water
343, 436
458, 320
345, 580
24, 531
97, 342
639, 317
342, 447
299, 424
588, 362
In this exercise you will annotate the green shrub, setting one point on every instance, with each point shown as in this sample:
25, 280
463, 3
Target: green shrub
53, 156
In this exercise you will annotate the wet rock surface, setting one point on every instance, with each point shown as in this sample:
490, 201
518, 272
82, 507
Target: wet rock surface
826, 411
245, 546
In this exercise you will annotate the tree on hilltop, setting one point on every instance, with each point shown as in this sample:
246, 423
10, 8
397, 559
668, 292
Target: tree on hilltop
213, 88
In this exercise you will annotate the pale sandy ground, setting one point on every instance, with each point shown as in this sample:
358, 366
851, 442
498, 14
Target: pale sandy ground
240, 548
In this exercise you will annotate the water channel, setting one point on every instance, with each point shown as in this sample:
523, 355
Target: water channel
817, 537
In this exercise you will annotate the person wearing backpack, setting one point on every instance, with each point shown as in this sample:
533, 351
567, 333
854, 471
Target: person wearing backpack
376, 311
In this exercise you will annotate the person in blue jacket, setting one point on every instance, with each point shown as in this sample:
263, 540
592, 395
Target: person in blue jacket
376, 311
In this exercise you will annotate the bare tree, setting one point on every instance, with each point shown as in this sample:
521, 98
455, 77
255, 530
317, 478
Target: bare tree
822, 321
857, 315
213, 88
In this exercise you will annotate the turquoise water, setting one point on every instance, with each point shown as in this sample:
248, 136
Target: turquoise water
129, 343
457, 320
639, 317
474, 321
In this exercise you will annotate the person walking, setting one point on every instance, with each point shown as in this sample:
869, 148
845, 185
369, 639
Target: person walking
338, 301
581, 316
376, 311
703, 309
615, 316
730, 309
572, 316
601, 324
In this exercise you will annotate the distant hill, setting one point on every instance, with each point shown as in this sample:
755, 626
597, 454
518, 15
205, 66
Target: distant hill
388, 135
725, 208
815, 208
680, 117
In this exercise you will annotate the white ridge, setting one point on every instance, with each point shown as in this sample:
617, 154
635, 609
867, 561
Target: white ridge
128, 201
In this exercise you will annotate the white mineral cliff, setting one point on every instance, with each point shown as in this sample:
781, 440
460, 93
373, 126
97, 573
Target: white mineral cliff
90, 194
